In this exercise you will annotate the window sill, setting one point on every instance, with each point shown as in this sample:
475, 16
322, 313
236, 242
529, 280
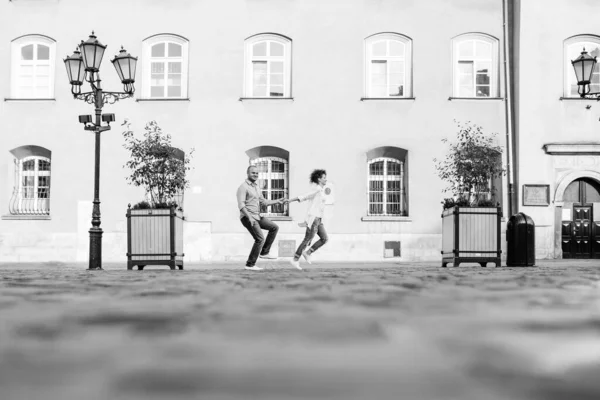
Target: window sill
386, 98
279, 218
266, 98
476, 98
26, 217
30, 99
385, 218
183, 99
577, 99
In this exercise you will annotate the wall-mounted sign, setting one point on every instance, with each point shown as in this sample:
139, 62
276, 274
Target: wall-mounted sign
536, 195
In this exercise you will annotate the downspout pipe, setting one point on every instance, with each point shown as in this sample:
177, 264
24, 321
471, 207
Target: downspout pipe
508, 104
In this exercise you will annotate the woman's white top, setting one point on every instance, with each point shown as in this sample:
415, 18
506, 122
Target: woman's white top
316, 205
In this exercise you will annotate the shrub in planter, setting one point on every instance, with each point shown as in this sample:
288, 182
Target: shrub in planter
470, 219
155, 225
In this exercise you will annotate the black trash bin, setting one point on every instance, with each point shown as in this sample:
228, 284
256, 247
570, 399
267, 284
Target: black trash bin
520, 235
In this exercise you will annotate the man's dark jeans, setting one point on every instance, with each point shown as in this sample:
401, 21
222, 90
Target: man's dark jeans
259, 240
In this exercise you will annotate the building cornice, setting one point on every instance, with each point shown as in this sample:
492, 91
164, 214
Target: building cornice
572, 148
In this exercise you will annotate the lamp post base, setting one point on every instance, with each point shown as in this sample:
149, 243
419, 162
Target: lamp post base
95, 248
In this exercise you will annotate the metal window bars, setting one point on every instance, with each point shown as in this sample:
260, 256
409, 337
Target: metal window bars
386, 192
31, 193
273, 183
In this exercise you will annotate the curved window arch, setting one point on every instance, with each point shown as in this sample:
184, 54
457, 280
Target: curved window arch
475, 65
32, 68
31, 192
572, 48
268, 66
387, 181
165, 67
388, 66
273, 176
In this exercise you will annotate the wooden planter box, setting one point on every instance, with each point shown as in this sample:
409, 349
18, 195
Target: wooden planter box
471, 234
154, 237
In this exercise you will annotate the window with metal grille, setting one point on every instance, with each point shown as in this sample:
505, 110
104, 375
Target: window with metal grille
273, 182
31, 193
388, 66
475, 66
387, 194
165, 67
268, 66
32, 73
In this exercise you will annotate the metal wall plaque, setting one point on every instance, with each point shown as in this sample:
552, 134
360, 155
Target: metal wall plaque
536, 195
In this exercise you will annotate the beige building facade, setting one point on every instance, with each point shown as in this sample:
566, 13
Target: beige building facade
364, 89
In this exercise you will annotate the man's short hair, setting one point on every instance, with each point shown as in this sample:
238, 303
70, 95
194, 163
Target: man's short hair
251, 166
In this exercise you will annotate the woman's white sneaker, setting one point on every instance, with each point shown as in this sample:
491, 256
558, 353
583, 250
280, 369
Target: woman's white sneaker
255, 268
296, 264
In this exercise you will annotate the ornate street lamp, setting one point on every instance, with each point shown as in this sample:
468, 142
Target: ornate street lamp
584, 67
84, 65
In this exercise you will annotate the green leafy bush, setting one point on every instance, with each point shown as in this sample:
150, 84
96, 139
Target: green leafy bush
469, 166
156, 166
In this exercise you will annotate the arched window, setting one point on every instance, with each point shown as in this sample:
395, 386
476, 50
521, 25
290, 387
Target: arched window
273, 176
165, 67
475, 65
573, 47
388, 181
268, 66
31, 192
32, 69
388, 69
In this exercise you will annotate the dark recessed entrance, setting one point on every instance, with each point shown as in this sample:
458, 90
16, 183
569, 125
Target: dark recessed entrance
581, 234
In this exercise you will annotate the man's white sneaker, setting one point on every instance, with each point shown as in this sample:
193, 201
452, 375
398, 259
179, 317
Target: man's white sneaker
306, 256
268, 257
296, 264
255, 268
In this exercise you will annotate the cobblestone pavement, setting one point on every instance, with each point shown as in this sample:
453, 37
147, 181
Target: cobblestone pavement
335, 331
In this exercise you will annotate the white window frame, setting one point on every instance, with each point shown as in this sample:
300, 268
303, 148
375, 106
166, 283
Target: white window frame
579, 42
274, 175
406, 58
456, 59
403, 203
34, 205
249, 58
16, 65
148, 59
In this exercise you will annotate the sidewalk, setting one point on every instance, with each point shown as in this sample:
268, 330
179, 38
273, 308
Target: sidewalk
335, 331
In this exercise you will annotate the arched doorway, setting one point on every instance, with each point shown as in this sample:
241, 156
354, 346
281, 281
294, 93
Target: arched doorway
580, 234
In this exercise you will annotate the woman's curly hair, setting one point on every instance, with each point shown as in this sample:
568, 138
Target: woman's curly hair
316, 174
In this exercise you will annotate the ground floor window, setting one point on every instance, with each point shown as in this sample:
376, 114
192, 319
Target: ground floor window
31, 191
273, 182
387, 194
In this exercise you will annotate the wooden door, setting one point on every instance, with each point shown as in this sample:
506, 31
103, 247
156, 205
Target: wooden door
581, 239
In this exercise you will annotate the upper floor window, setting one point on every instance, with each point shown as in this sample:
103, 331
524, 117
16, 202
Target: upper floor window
572, 49
387, 182
165, 67
268, 66
31, 190
475, 65
388, 66
32, 70
273, 176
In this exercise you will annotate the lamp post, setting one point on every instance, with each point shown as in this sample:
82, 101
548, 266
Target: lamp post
584, 68
84, 65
